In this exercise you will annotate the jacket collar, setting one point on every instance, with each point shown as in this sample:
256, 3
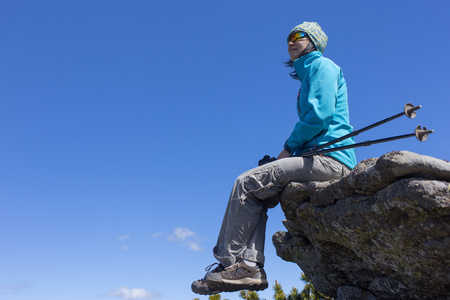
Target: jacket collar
302, 63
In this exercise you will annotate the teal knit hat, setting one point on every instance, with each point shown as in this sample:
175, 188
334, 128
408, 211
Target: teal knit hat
315, 33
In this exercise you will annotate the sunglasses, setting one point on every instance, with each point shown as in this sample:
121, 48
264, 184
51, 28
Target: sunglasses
296, 36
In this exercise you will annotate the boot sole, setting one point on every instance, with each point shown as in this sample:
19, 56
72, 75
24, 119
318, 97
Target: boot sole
244, 284
206, 293
203, 291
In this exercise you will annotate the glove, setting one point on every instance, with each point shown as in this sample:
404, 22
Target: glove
265, 160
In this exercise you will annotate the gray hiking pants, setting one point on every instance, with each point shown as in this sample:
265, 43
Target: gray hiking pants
242, 235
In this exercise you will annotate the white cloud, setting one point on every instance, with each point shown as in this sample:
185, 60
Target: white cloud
14, 288
194, 246
187, 238
124, 237
127, 293
156, 235
181, 234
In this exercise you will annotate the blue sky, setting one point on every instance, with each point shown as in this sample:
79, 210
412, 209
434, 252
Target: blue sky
125, 123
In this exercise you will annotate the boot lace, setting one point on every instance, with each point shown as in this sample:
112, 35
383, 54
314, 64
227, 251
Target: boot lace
209, 269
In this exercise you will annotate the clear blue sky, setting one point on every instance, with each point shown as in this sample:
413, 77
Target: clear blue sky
125, 123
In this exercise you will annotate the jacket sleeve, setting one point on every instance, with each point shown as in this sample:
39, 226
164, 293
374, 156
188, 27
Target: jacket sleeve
317, 106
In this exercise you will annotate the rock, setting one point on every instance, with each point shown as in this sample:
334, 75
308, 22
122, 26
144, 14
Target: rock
382, 232
354, 293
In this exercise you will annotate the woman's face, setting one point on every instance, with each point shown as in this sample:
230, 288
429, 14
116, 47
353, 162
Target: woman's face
296, 48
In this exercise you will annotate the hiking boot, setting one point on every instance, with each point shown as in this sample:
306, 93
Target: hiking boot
238, 277
201, 286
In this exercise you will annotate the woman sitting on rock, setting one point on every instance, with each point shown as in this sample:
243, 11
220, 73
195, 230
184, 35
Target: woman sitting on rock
323, 116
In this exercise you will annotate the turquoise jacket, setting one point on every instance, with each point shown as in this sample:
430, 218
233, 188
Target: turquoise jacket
322, 108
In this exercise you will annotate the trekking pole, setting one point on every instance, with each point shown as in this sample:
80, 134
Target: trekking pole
420, 133
409, 110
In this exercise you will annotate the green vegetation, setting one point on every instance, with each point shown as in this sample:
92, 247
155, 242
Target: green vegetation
249, 295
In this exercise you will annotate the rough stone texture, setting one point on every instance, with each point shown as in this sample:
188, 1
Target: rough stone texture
381, 232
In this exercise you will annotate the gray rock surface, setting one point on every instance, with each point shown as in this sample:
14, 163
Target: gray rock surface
381, 232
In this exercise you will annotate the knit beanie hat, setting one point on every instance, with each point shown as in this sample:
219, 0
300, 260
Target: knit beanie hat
315, 33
